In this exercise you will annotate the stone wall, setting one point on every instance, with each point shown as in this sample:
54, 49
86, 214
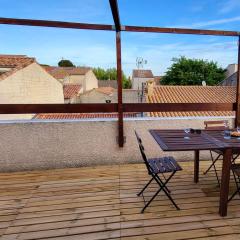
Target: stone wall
32, 145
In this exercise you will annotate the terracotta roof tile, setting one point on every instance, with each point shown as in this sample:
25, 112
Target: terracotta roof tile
192, 94
142, 73
71, 90
14, 62
59, 116
62, 72
105, 90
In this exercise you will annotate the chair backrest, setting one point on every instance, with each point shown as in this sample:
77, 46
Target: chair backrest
216, 125
141, 148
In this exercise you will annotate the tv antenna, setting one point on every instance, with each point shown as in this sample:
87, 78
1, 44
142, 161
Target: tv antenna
140, 62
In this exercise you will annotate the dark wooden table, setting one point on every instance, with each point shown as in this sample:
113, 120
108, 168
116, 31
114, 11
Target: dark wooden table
173, 140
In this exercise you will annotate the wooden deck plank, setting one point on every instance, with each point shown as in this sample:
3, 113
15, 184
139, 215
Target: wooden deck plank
101, 203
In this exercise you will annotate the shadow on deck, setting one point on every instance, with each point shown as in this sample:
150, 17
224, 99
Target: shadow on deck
101, 203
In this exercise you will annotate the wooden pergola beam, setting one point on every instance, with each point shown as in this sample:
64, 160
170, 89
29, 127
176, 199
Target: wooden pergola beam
237, 119
56, 24
113, 107
118, 27
58, 108
178, 107
116, 18
115, 14
179, 31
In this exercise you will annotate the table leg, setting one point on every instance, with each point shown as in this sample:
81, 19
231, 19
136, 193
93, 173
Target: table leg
196, 166
224, 188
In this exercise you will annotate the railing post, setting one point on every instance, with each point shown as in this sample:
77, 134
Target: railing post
237, 119
119, 80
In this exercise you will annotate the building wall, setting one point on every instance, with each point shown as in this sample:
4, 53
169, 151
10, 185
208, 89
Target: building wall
138, 82
75, 79
129, 96
94, 97
46, 145
91, 81
230, 81
231, 68
31, 84
88, 81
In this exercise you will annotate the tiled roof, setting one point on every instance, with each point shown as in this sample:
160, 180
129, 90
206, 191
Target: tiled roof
14, 62
59, 116
105, 90
71, 90
107, 83
157, 79
62, 72
142, 73
192, 94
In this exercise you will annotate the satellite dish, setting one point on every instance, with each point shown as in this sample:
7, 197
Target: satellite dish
204, 83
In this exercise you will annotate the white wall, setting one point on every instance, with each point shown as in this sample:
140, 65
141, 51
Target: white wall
231, 68
44, 145
88, 81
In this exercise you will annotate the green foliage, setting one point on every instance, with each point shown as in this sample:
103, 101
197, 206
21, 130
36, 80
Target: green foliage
186, 71
111, 73
65, 63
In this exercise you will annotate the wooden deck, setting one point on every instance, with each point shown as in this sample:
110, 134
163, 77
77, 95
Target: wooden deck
101, 203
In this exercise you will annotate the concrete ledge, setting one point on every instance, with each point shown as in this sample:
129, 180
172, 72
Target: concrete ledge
33, 145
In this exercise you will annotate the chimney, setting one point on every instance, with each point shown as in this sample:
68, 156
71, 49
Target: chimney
150, 87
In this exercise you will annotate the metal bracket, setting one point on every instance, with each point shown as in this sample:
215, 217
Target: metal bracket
113, 27
123, 28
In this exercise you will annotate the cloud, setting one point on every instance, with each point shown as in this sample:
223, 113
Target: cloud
211, 22
159, 56
229, 6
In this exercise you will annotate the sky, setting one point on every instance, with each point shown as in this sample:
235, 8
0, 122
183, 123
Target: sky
97, 48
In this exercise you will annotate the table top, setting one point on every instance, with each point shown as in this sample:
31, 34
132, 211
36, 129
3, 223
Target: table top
173, 140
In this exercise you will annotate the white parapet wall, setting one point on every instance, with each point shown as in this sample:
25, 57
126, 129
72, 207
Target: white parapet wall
33, 145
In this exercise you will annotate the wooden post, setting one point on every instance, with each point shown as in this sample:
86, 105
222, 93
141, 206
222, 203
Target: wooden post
119, 80
237, 119
196, 166
224, 188
116, 18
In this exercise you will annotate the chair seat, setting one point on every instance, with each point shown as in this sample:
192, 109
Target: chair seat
164, 165
236, 169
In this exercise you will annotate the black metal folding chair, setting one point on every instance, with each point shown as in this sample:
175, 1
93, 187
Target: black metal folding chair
218, 125
236, 173
156, 166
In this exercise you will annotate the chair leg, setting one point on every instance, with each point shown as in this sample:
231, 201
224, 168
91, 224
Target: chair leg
234, 158
167, 192
138, 194
145, 187
238, 188
213, 162
162, 187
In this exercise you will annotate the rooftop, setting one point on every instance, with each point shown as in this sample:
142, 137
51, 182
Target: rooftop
58, 116
192, 94
101, 203
142, 73
71, 90
14, 63
62, 72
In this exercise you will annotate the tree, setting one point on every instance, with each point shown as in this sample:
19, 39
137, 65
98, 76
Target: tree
111, 73
186, 71
65, 63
